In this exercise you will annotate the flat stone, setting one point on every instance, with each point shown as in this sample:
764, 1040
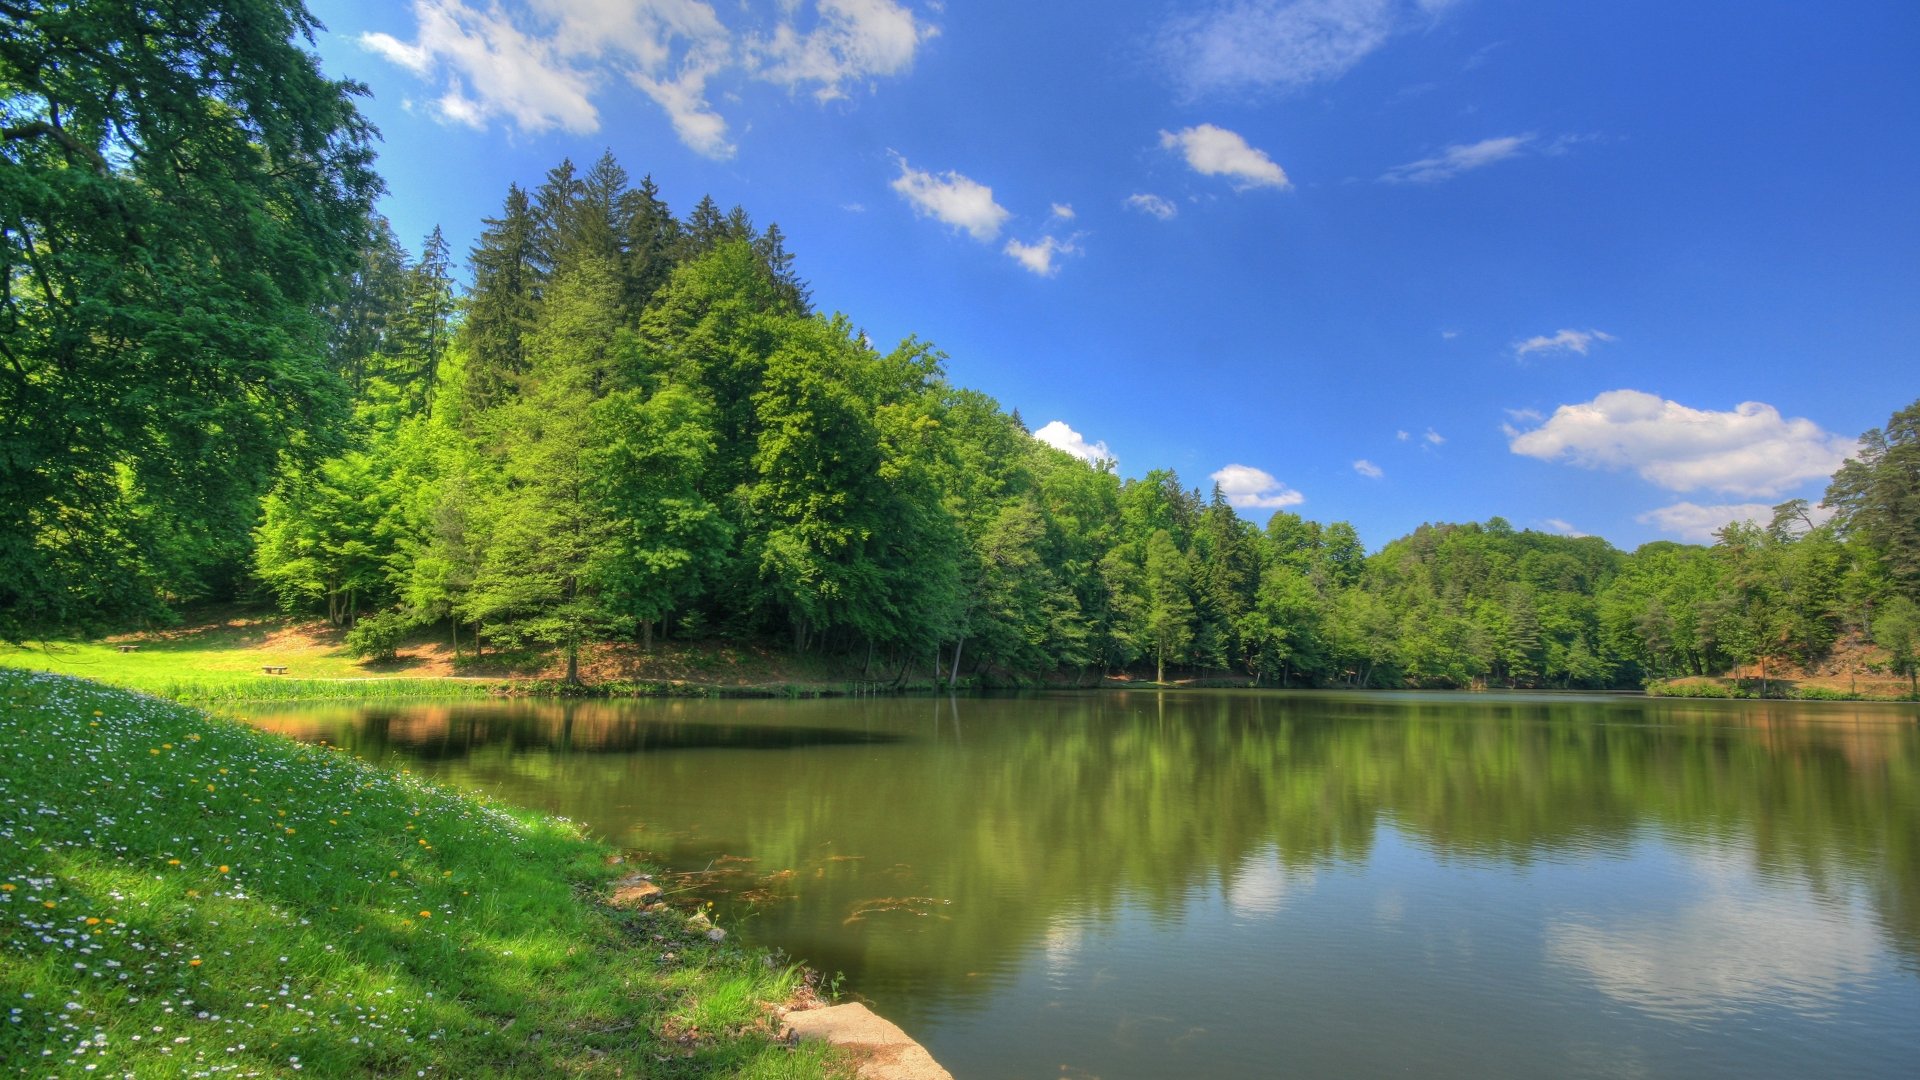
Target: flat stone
882, 1050
635, 890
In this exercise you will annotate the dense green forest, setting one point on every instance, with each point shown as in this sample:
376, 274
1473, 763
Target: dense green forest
222, 376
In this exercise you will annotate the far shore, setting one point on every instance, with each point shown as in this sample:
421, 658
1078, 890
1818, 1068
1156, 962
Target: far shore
249, 656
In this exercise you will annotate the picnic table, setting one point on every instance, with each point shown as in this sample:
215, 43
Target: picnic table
129, 648
275, 669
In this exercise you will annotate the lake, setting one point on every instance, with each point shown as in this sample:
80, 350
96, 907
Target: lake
1213, 883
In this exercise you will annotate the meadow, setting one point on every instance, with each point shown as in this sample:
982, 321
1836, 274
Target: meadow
180, 893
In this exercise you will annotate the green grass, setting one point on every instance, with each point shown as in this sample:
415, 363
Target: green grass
180, 893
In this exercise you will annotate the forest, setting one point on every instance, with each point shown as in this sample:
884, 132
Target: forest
222, 377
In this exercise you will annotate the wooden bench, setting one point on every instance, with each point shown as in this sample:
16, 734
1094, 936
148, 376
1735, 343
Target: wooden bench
129, 648
275, 669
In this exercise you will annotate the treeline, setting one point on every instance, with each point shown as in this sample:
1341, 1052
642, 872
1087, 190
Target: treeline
634, 424
217, 380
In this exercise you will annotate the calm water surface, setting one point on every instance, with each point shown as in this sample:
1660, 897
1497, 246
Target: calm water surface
1221, 884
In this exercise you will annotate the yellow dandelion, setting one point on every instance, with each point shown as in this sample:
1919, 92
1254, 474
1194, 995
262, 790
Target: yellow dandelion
393, 873
289, 831
97, 712
48, 903
446, 873
156, 753
225, 869
195, 962
166, 746
173, 862
209, 787
426, 914
91, 921
8, 887
223, 772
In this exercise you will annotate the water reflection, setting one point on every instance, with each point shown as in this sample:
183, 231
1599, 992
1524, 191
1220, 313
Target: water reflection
1684, 861
1727, 950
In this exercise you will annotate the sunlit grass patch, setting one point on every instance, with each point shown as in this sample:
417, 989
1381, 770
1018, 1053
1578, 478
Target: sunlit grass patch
179, 893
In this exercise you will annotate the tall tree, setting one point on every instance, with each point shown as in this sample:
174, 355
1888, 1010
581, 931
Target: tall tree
1876, 498
504, 301
181, 190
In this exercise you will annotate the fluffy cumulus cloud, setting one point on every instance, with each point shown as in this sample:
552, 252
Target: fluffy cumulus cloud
1457, 159
1250, 488
1368, 469
1574, 341
1061, 437
1751, 451
1236, 46
1215, 151
1560, 526
541, 64
952, 198
1063, 211
1152, 204
850, 40
1697, 524
1039, 257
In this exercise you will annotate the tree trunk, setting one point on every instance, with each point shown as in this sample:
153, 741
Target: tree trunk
455, 620
573, 663
1160, 666
954, 675
646, 636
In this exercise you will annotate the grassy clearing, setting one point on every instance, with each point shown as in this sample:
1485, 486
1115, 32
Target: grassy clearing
1829, 689
184, 894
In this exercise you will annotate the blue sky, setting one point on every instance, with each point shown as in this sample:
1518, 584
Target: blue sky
1622, 268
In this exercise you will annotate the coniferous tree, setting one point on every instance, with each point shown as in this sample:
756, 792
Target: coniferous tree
504, 302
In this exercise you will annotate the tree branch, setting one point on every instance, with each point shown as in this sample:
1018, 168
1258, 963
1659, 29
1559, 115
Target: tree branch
33, 129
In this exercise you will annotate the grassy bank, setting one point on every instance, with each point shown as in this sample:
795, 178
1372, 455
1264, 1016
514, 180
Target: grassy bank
179, 893
1785, 690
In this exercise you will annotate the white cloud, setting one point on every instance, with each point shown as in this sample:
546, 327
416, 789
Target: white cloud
1751, 451
1234, 46
1152, 204
952, 198
541, 65
1697, 524
1402, 436
1557, 525
1577, 341
850, 40
1063, 211
1368, 469
1457, 159
1250, 488
1433, 437
1449, 335
1061, 437
1215, 151
1039, 257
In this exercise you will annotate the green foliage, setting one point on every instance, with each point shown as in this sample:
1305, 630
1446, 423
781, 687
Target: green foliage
377, 637
1876, 498
1897, 630
181, 192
